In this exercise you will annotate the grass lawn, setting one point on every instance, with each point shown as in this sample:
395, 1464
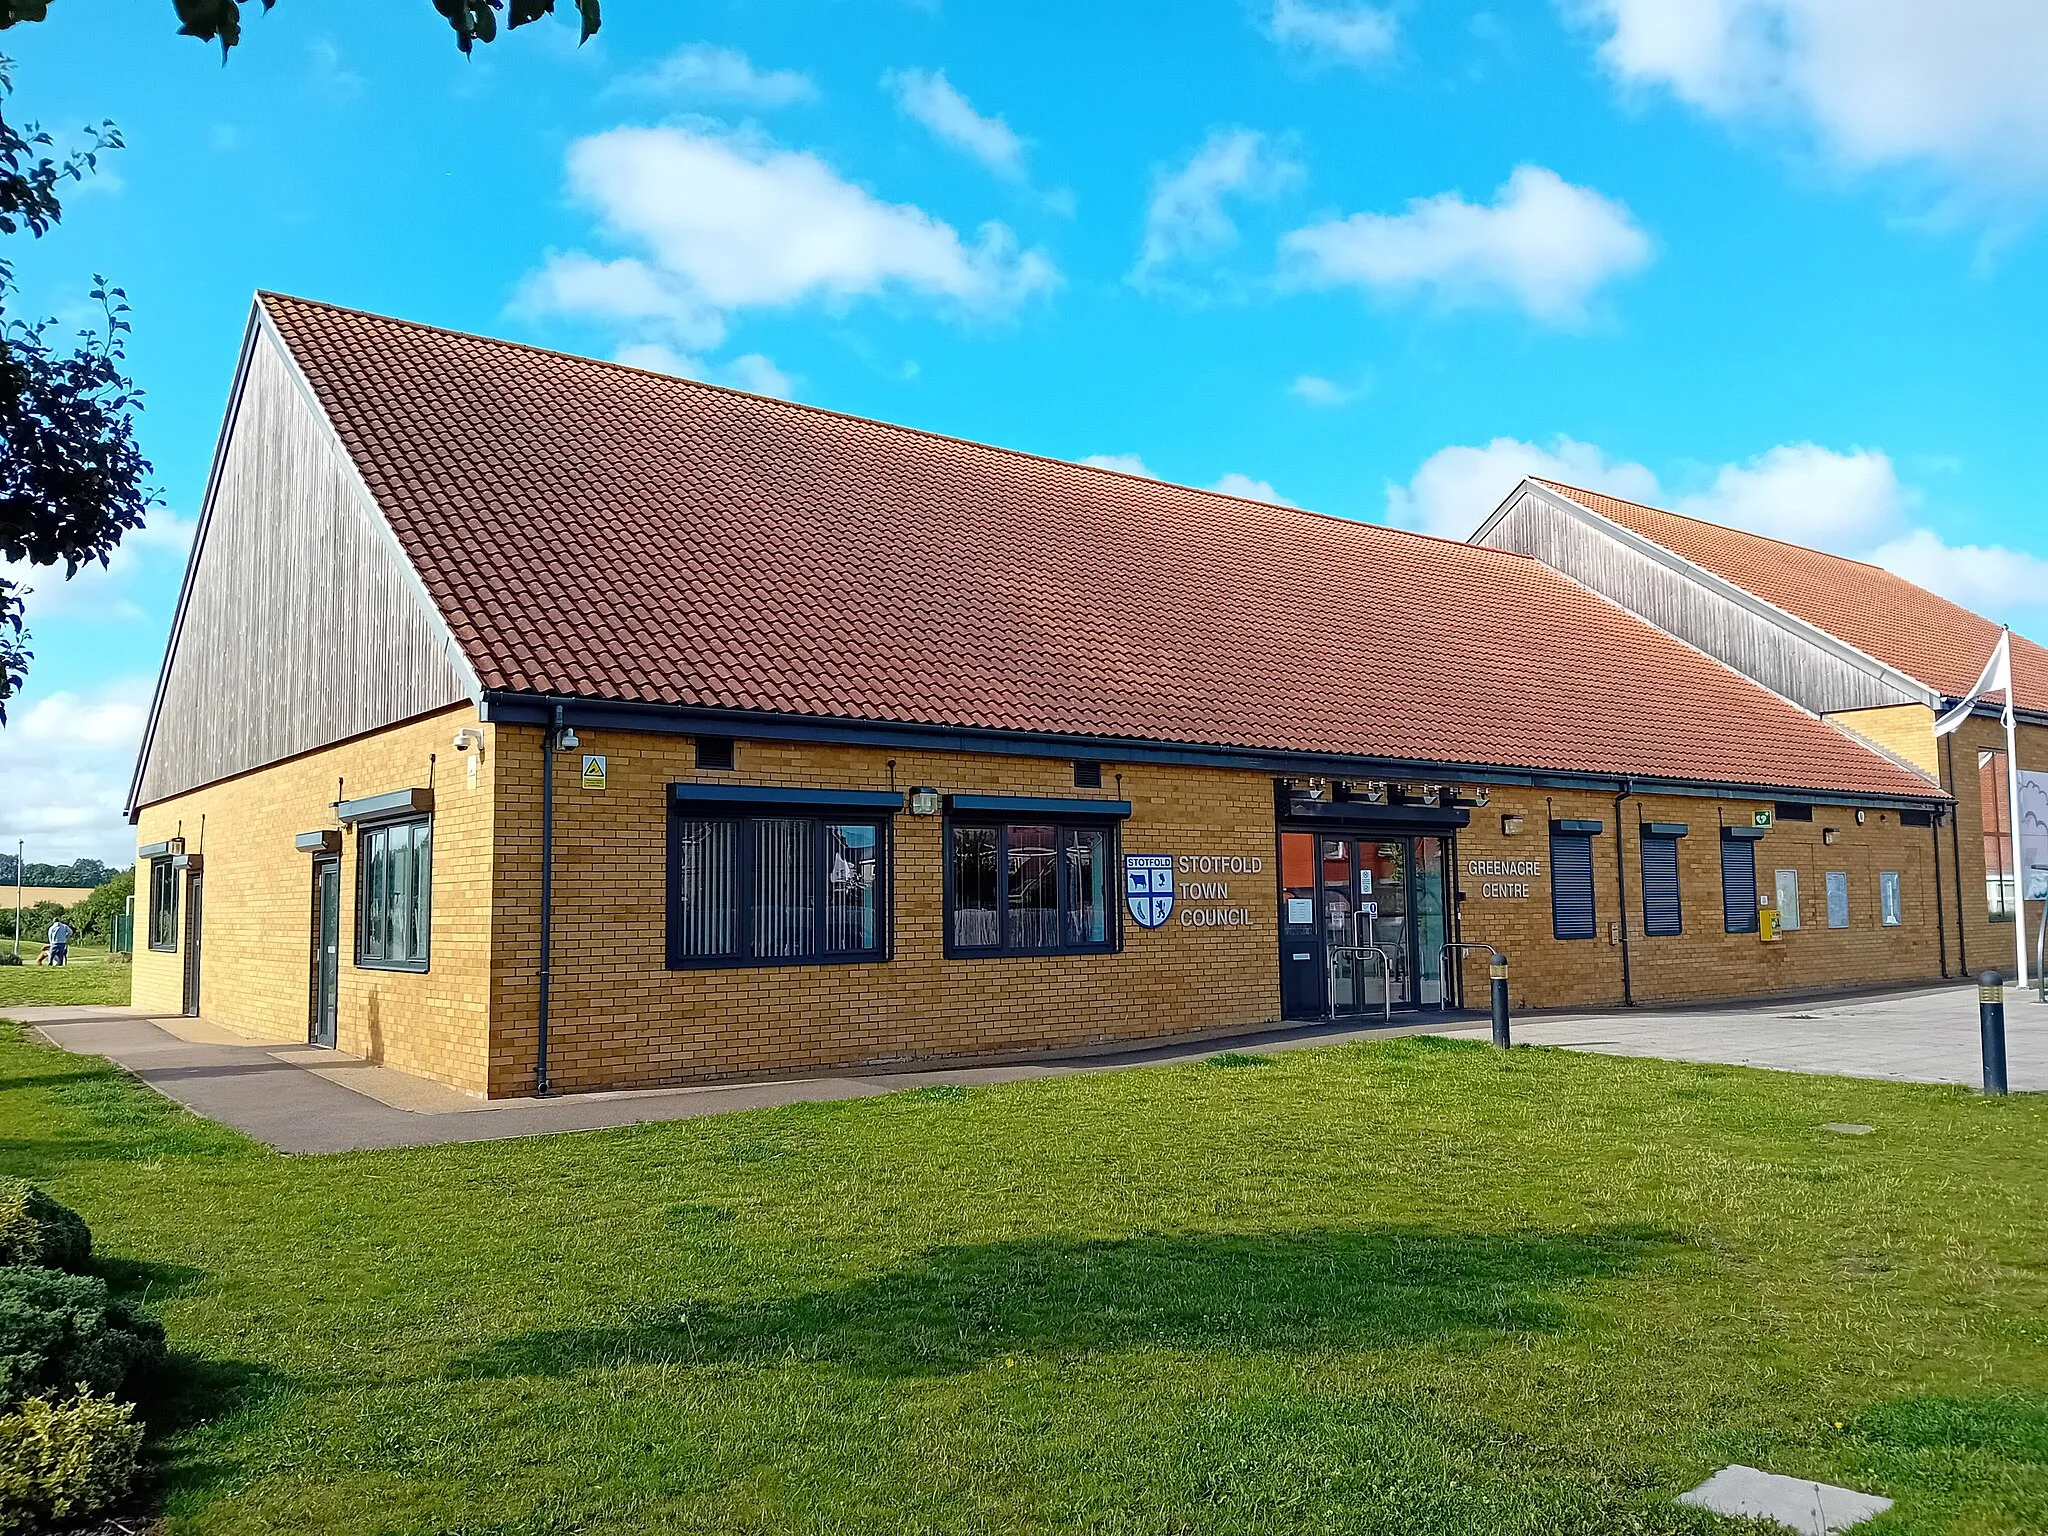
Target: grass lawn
1411, 1287
89, 977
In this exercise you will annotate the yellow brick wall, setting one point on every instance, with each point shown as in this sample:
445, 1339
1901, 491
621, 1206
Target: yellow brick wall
256, 940
1905, 730
618, 1016
1705, 961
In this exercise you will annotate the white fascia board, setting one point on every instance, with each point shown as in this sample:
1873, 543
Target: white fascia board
1917, 691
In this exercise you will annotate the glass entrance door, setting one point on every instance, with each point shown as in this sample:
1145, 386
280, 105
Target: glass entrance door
1361, 924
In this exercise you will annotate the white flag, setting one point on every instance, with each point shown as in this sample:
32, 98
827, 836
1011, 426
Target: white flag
1997, 677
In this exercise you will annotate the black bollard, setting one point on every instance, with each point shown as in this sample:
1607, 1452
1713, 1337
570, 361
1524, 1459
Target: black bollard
1991, 1024
1498, 971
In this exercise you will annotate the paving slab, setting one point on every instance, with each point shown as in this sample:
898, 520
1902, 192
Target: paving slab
1925, 1035
1812, 1509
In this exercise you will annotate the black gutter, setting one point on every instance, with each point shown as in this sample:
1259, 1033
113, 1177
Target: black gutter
1628, 994
541, 1086
508, 708
1940, 911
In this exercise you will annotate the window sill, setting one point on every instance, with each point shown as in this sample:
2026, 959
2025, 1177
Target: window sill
781, 963
380, 965
1031, 954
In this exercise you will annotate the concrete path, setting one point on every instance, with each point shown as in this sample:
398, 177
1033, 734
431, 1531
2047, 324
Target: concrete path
303, 1100
299, 1099
1928, 1035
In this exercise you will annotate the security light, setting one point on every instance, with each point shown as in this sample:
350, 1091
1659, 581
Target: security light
924, 801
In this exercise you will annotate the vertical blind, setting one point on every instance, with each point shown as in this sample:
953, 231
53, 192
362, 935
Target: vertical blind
1661, 914
1571, 886
769, 889
1738, 885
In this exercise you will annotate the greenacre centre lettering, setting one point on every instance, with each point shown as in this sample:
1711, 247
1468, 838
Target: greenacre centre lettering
1503, 890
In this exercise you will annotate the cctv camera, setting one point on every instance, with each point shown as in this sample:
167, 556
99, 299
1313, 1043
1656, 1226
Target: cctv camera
467, 740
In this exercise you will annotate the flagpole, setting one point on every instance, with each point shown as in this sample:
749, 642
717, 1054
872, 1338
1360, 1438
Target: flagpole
2012, 803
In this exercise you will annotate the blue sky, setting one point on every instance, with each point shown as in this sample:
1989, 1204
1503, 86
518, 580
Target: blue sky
1777, 262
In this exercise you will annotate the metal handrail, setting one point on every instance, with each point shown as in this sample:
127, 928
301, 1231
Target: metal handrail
1442, 969
1386, 977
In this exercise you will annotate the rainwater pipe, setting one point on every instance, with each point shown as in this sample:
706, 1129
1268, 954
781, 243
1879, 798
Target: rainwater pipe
1628, 995
548, 741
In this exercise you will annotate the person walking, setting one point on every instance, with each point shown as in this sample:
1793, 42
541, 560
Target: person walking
60, 942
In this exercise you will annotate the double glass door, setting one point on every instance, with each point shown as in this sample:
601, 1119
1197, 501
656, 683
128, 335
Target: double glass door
1361, 923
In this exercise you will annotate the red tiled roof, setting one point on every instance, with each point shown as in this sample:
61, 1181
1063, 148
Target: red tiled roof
1887, 617
594, 530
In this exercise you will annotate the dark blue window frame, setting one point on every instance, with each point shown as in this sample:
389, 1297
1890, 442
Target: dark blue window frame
741, 807
1113, 927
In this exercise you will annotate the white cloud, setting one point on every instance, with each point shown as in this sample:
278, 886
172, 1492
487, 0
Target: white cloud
66, 758
1351, 34
928, 97
1314, 389
1849, 503
731, 223
1122, 463
1235, 484
1543, 245
153, 554
701, 72
1186, 215
1806, 494
1954, 85
1457, 488
751, 371
2008, 585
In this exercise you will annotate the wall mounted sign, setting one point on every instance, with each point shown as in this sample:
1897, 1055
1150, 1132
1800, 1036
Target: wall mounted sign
1504, 890
1760, 819
1148, 888
1208, 903
593, 770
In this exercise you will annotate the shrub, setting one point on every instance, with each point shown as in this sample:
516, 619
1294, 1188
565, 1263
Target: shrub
62, 1461
62, 1332
34, 1229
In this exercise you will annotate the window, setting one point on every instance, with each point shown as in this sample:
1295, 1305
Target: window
163, 905
1792, 810
776, 890
714, 752
1995, 810
1024, 888
1662, 916
394, 878
1890, 911
1571, 886
1786, 889
1838, 898
1738, 885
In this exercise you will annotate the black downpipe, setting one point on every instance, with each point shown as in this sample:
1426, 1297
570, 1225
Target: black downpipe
541, 1086
1628, 991
1955, 843
1940, 907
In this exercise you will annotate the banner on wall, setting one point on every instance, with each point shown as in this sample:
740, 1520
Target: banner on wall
2033, 849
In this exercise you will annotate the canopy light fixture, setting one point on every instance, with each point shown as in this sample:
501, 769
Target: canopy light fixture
924, 801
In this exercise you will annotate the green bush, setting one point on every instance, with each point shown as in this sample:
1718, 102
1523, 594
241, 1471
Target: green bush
63, 1332
62, 1461
34, 1229
94, 916
35, 921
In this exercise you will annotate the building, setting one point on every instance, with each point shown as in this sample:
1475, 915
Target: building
1854, 643
529, 720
